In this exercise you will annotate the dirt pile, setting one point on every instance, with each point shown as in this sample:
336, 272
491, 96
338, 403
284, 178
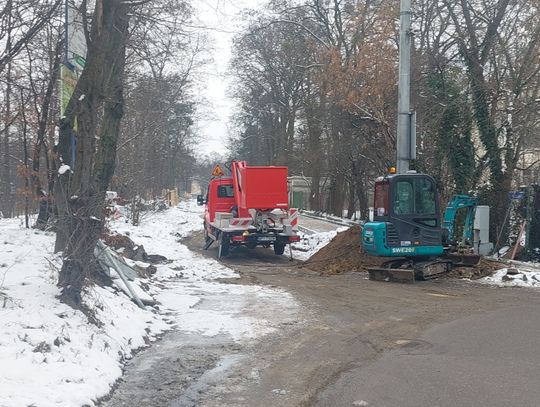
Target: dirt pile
484, 268
345, 253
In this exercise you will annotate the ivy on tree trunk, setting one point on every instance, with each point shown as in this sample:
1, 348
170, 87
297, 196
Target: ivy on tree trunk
97, 107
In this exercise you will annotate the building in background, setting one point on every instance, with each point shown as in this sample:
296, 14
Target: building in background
300, 190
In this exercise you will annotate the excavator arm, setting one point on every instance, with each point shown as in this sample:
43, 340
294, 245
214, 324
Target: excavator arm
456, 203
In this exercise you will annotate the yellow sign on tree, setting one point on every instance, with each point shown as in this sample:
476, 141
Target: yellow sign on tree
217, 172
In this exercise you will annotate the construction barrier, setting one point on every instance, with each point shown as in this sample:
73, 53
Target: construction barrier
293, 216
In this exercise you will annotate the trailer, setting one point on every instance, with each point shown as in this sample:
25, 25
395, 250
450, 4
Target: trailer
249, 208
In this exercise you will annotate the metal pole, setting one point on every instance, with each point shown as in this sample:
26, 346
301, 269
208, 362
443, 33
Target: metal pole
112, 261
404, 146
530, 195
496, 247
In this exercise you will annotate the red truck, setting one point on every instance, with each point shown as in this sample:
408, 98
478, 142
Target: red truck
249, 208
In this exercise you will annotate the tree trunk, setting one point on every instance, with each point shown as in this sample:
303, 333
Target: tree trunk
315, 190
337, 182
97, 104
337, 193
43, 119
314, 155
7, 207
351, 203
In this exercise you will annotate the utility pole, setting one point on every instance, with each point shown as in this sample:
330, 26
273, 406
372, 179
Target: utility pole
406, 137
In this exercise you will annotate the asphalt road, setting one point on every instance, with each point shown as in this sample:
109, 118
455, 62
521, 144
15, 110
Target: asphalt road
434, 344
356, 342
484, 360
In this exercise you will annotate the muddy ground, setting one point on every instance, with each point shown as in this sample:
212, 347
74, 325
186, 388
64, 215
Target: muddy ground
345, 324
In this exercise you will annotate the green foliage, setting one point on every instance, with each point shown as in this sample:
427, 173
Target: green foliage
451, 122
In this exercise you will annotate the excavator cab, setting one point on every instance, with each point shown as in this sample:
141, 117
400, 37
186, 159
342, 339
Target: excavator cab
406, 218
406, 227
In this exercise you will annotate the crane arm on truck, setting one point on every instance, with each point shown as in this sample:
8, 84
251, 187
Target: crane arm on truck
237, 167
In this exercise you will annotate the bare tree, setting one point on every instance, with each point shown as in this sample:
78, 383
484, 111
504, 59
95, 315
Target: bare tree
23, 26
164, 62
20, 22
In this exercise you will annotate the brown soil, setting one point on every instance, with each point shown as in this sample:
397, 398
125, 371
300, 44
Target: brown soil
130, 249
484, 268
345, 254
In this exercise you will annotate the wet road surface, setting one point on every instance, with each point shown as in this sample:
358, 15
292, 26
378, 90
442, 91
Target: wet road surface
353, 342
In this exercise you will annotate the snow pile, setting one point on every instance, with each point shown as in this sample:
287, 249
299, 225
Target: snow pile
63, 169
311, 244
51, 356
525, 275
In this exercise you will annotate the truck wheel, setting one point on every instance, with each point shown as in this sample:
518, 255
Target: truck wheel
223, 245
279, 248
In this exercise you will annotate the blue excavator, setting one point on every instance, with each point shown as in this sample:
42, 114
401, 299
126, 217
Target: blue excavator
407, 229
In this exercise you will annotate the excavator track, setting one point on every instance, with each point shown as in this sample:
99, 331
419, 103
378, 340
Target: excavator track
392, 275
396, 271
428, 270
463, 259
408, 270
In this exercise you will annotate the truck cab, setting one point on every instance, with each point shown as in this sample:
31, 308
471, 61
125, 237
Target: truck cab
219, 198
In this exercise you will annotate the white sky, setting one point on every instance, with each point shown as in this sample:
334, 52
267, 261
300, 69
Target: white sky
221, 18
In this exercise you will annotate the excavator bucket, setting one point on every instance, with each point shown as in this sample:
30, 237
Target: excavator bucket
392, 275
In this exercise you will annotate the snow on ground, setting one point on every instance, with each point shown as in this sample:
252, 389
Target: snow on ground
311, 244
189, 278
51, 356
518, 275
